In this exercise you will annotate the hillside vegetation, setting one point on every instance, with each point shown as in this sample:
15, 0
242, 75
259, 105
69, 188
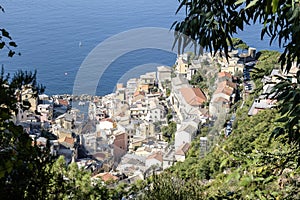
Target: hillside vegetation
249, 164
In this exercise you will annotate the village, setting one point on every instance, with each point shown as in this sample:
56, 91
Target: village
149, 123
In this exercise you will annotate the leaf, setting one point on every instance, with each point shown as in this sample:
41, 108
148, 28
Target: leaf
223, 163
252, 3
245, 181
274, 5
2, 9
2, 44
5, 33
11, 53
239, 2
277, 132
181, 5
270, 178
259, 179
13, 44
282, 119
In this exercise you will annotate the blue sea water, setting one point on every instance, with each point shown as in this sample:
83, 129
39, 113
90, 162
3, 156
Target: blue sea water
48, 34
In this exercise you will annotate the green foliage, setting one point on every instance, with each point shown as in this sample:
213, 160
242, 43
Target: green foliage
70, 182
267, 61
24, 78
213, 23
168, 92
6, 40
27, 171
244, 166
168, 132
199, 80
288, 94
205, 24
22, 165
167, 186
169, 117
239, 44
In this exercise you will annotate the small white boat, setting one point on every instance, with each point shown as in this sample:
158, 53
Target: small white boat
80, 44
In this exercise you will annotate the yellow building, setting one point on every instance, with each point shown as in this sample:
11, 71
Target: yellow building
182, 65
29, 95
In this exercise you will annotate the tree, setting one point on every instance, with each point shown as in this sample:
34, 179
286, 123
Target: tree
28, 171
70, 182
168, 132
22, 164
22, 78
199, 80
168, 186
212, 24
238, 43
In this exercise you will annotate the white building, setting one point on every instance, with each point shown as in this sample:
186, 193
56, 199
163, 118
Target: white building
155, 159
46, 111
155, 112
163, 76
182, 151
186, 132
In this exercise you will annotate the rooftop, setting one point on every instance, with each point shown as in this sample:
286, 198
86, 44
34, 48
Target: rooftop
106, 177
164, 68
193, 96
226, 74
183, 149
179, 80
225, 87
188, 128
158, 156
67, 140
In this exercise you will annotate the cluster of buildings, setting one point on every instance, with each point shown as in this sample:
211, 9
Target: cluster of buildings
128, 122
120, 137
265, 100
46, 120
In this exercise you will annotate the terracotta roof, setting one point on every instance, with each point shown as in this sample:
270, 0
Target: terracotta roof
193, 96
107, 119
106, 176
225, 87
183, 149
231, 84
139, 93
67, 140
221, 99
222, 74
63, 102
158, 156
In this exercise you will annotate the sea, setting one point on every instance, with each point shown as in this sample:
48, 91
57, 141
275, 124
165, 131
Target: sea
55, 38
